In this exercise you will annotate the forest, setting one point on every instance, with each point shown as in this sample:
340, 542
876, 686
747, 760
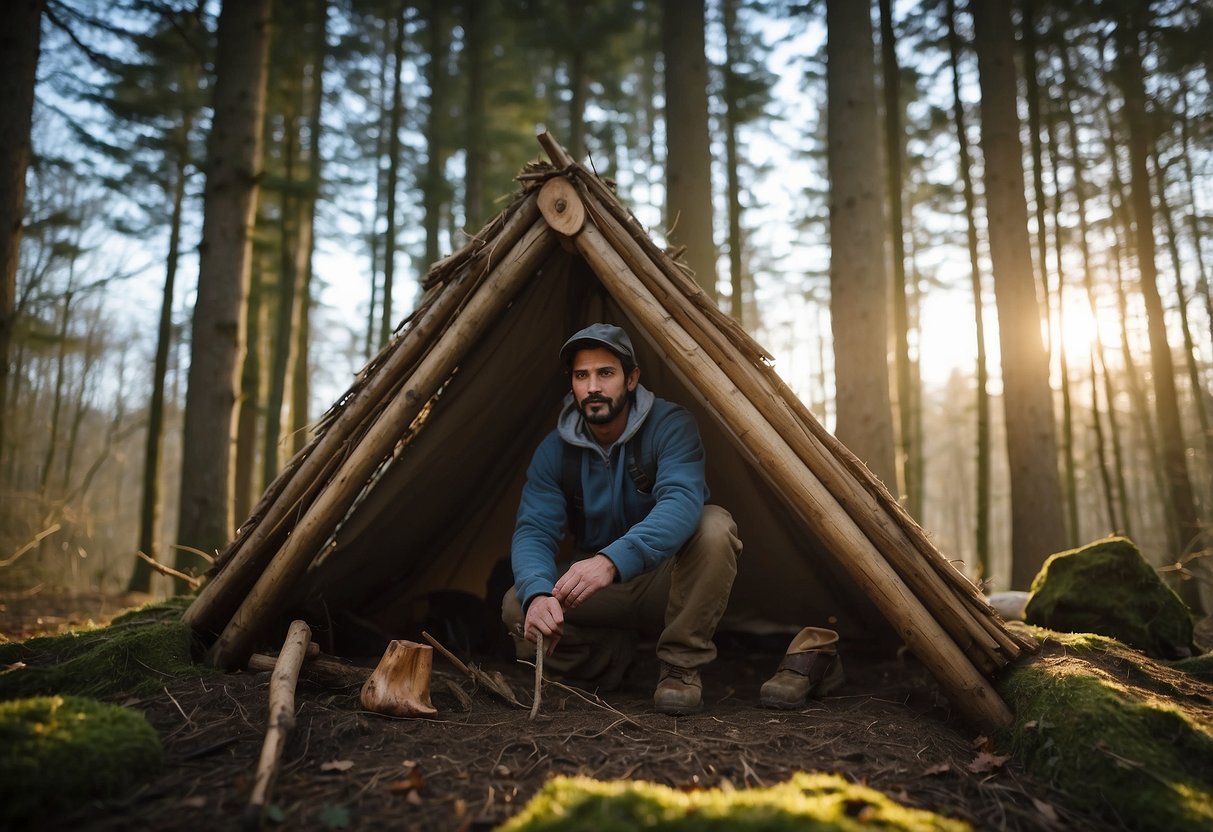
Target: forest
975, 236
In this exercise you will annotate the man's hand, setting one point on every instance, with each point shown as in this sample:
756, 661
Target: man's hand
584, 578
544, 615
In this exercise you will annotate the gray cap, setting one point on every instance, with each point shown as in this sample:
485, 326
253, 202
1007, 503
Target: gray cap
600, 335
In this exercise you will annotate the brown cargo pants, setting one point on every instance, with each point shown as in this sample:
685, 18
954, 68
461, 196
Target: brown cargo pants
680, 601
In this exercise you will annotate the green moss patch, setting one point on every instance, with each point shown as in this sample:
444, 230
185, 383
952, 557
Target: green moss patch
60, 751
1127, 738
135, 655
1108, 588
805, 802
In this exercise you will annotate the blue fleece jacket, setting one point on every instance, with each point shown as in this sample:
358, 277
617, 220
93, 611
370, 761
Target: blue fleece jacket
636, 531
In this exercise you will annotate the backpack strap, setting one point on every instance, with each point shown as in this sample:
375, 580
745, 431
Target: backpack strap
640, 460
570, 483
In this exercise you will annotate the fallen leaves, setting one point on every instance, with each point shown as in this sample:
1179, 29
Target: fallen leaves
409, 784
985, 762
1046, 810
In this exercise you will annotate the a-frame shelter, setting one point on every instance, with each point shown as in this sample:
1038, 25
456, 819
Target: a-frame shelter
412, 480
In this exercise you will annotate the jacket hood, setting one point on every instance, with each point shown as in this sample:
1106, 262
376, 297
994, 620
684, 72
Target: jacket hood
572, 427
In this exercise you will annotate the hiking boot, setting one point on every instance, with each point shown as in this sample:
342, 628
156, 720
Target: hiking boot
810, 667
679, 690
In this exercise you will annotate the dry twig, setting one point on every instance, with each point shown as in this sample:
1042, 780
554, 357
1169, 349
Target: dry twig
538, 674
494, 682
192, 580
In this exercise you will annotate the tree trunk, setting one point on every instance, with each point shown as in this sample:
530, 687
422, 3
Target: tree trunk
20, 41
52, 441
1203, 284
894, 148
859, 287
435, 195
1121, 230
1114, 494
1185, 327
982, 372
1069, 464
233, 173
578, 79
285, 317
386, 321
736, 281
1137, 394
1175, 464
245, 488
476, 56
1038, 180
153, 447
306, 242
1037, 523
688, 208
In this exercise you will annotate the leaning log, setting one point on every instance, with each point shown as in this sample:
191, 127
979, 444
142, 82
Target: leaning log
323, 670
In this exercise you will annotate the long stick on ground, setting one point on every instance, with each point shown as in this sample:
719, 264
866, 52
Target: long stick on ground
281, 719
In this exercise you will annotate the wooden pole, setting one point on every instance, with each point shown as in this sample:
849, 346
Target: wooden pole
234, 645
248, 555
280, 721
806, 495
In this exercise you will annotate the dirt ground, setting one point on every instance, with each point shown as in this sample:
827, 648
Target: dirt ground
476, 762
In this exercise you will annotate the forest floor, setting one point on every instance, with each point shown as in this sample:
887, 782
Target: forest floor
475, 763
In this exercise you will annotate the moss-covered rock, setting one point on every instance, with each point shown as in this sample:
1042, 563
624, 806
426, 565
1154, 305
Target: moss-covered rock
1126, 738
1108, 588
60, 751
135, 654
824, 802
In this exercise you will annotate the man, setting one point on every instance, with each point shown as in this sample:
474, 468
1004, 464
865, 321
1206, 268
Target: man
624, 472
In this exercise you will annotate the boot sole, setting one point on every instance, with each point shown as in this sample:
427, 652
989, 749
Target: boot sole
673, 710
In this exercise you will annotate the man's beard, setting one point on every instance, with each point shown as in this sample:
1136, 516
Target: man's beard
602, 417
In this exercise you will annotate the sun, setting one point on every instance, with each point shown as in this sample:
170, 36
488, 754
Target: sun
1081, 331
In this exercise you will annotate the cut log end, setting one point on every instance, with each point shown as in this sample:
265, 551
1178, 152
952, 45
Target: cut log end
400, 685
561, 206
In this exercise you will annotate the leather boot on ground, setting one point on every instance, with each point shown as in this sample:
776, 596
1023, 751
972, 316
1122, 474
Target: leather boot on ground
811, 667
679, 691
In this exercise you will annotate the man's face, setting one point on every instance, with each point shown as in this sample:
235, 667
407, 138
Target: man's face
600, 387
